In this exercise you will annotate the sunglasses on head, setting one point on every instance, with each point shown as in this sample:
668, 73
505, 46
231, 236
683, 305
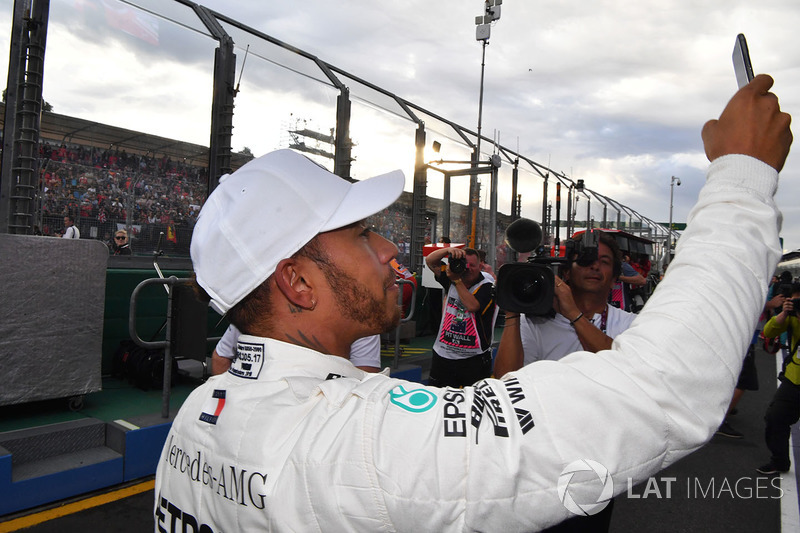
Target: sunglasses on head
120, 237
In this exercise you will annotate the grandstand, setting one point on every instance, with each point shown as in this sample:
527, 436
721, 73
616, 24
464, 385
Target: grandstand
109, 178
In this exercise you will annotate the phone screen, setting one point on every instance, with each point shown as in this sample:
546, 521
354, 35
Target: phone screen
741, 62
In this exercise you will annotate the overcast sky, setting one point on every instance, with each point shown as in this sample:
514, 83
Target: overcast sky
613, 92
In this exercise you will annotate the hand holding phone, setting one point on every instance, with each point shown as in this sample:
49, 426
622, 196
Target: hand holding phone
751, 124
741, 62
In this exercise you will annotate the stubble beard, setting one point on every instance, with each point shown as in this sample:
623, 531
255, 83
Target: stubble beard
357, 303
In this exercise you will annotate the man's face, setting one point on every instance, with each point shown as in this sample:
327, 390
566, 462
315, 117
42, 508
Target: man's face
596, 278
360, 276
67, 222
472, 274
120, 239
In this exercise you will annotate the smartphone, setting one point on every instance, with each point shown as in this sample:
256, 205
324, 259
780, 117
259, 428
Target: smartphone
741, 62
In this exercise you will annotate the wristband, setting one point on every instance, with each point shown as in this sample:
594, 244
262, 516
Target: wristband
572, 322
456, 281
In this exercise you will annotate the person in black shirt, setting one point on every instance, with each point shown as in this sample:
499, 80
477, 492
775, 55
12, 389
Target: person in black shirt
121, 246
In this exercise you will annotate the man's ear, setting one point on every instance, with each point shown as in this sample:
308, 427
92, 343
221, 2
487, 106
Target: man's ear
293, 284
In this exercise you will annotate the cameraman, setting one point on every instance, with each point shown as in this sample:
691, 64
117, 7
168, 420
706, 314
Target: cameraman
784, 410
462, 350
583, 320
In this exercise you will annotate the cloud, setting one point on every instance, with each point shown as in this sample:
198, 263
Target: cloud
611, 91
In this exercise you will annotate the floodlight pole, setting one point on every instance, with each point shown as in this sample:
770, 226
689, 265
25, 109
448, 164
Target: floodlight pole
482, 33
474, 199
480, 99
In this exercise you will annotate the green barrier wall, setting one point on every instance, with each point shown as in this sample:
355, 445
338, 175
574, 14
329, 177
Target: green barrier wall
151, 310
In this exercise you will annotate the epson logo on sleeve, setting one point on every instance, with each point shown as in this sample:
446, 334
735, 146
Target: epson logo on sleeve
249, 360
454, 414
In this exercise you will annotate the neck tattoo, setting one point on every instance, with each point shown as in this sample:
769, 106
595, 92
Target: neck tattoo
312, 343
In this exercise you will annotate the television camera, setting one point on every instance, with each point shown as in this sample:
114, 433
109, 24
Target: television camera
528, 287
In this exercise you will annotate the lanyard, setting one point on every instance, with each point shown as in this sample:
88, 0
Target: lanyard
604, 319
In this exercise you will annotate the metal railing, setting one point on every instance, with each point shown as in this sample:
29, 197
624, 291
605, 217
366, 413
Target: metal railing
168, 283
401, 282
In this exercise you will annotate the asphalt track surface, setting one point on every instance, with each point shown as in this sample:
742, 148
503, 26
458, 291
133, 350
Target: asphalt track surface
716, 489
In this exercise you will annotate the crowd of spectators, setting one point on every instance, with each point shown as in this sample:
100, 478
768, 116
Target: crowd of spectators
106, 190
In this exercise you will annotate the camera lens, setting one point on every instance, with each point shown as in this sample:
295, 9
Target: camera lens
527, 286
457, 266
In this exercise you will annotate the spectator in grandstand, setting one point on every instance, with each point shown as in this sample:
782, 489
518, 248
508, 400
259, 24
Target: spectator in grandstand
101, 186
121, 245
71, 231
308, 439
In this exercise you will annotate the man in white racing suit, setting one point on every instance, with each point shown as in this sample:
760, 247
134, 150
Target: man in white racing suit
295, 438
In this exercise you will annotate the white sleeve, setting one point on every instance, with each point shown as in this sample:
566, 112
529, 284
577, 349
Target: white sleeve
366, 351
226, 347
497, 453
531, 341
618, 321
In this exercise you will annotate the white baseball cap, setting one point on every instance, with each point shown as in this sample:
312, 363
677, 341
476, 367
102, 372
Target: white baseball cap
268, 210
